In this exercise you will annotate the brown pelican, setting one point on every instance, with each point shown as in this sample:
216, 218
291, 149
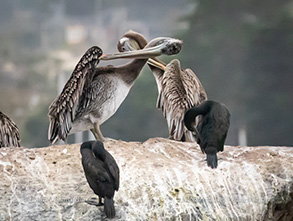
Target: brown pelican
9, 135
178, 90
102, 174
92, 95
211, 131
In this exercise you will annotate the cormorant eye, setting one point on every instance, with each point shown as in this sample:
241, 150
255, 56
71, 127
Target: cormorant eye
123, 48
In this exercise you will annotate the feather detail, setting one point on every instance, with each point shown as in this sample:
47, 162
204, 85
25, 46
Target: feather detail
62, 110
9, 135
181, 89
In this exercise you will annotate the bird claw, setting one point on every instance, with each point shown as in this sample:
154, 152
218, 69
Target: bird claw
94, 203
108, 139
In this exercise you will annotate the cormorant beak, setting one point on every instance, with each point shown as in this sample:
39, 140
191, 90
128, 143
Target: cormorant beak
154, 48
195, 130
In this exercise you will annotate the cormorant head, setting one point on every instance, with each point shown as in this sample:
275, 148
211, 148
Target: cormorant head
99, 150
86, 145
189, 120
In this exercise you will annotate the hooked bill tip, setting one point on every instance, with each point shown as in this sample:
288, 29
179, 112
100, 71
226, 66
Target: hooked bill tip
103, 55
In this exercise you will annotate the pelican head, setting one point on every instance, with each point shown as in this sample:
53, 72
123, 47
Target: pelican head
131, 41
156, 47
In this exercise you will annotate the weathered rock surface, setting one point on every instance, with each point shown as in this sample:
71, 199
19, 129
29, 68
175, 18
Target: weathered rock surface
160, 180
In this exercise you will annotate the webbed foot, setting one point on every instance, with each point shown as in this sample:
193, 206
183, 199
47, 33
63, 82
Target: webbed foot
93, 201
108, 139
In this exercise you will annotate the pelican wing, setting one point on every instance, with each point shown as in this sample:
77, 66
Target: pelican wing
195, 92
9, 135
173, 100
63, 109
181, 90
158, 74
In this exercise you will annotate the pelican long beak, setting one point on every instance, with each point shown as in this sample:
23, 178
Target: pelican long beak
139, 54
167, 46
156, 63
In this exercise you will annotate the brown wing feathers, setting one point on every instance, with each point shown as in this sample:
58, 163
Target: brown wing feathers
63, 109
173, 100
181, 90
9, 135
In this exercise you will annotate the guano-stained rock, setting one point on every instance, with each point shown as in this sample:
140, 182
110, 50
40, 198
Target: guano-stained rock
160, 179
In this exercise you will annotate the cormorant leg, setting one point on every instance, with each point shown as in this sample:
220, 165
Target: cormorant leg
100, 201
93, 201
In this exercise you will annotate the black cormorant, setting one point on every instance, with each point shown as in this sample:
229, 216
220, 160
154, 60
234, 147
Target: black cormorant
211, 131
101, 172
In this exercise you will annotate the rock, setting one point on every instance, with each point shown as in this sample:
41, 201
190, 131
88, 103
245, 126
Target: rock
160, 180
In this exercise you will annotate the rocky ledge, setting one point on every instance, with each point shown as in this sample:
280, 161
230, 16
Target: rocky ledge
160, 180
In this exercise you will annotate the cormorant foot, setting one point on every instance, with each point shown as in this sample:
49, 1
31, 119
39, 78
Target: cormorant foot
93, 202
107, 139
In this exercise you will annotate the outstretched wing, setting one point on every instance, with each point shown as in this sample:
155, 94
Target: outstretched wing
9, 135
63, 109
181, 90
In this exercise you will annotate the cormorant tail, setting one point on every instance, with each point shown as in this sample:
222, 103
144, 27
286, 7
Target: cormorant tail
212, 160
109, 208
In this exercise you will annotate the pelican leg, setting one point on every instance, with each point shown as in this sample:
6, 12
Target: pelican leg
94, 133
171, 137
97, 132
